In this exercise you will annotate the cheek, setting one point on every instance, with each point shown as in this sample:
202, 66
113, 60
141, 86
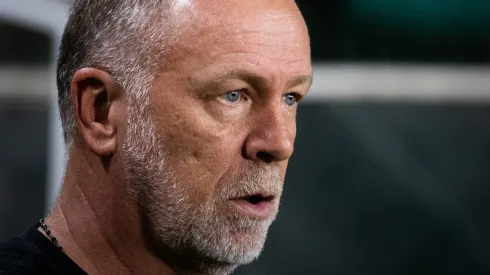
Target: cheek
199, 152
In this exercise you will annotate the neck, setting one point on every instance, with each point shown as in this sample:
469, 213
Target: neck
96, 220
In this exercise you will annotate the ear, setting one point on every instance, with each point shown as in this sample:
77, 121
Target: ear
93, 94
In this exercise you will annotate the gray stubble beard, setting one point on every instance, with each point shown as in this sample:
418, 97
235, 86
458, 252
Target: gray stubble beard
207, 237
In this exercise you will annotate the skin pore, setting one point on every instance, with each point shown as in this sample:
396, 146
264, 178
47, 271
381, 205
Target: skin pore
165, 187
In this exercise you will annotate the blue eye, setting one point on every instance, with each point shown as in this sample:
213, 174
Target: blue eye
291, 99
234, 96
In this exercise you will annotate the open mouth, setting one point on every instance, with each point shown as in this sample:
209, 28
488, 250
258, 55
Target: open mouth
256, 199
258, 205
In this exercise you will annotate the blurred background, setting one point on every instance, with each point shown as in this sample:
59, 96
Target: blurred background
390, 173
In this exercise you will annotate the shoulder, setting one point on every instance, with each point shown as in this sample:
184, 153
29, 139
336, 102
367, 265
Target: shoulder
19, 256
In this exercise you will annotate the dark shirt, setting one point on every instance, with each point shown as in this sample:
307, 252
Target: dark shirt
33, 253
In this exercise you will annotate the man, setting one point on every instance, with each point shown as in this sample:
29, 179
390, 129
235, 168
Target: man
179, 119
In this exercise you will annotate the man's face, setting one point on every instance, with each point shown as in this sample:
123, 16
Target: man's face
209, 155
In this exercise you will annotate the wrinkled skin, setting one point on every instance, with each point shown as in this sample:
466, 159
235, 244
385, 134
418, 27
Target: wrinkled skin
214, 149
165, 186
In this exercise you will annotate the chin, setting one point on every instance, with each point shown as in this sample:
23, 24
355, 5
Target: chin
214, 243
243, 244
243, 249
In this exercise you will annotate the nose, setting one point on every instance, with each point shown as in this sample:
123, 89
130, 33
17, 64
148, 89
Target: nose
271, 138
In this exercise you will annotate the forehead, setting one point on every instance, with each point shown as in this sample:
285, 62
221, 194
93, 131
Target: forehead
258, 33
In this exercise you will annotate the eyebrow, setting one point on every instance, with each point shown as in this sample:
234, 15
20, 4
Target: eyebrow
304, 79
259, 80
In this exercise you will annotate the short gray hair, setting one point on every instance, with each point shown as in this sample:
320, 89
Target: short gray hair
126, 38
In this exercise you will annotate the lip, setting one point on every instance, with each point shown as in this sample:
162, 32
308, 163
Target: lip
262, 209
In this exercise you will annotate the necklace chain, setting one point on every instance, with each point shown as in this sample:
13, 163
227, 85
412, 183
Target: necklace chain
46, 230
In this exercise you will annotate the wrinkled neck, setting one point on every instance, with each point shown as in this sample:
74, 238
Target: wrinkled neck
96, 220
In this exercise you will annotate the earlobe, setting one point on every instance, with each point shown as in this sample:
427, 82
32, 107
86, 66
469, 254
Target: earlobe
93, 95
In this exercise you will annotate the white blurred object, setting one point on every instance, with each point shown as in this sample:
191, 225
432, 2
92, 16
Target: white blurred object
42, 15
401, 82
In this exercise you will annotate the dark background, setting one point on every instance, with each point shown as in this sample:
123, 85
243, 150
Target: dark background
384, 189
435, 31
373, 188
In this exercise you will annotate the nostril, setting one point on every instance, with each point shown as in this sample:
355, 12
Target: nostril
266, 157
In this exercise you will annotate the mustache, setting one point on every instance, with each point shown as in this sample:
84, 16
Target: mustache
264, 180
